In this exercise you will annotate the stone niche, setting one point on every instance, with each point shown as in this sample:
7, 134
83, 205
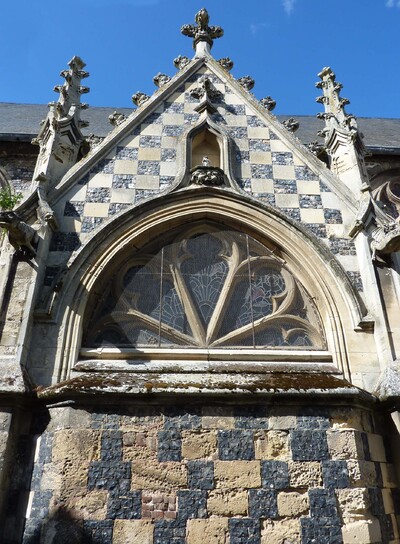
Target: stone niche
192, 473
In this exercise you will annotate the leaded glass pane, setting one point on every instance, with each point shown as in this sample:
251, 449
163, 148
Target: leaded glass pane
212, 287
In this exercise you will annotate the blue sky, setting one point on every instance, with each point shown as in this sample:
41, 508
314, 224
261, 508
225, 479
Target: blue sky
282, 44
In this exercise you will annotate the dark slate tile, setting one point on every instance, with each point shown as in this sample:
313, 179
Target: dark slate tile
73, 209
263, 503
305, 173
64, 241
294, 213
168, 155
283, 158
126, 505
256, 144
108, 474
98, 532
169, 446
151, 168
310, 201
321, 531
201, 474
285, 186
335, 474
261, 171
251, 417
322, 503
192, 504
111, 446
127, 153
172, 130
150, 141
90, 223
244, 531
98, 194
333, 216
236, 445
309, 445
123, 181
182, 418
274, 474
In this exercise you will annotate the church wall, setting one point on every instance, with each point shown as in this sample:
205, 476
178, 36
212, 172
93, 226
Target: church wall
215, 473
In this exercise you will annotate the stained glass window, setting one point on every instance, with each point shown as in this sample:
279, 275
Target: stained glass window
210, 287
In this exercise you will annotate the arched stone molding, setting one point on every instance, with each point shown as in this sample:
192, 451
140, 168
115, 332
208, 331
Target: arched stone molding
339, 306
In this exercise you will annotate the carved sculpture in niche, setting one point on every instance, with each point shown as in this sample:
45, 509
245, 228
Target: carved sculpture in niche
20, 235
205, 90
211, 176
386, 237
385, 240
140, 98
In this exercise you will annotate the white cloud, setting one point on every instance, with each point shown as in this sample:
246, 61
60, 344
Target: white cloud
393, 3
256, 27
288, 5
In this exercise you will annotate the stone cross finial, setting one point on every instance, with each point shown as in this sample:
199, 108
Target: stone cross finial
202, 34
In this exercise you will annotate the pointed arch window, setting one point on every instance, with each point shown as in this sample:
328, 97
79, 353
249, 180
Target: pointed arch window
209, 287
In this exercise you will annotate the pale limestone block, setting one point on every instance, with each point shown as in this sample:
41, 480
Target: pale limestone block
5, 421
130, 141
140, 445
100, 180
297, 161
286, 200
272, 445
77, 195
75, 475
210, 531
147, 182
308, 187
173, 119
52, 477
199, 444
149, 474
282, 422
168, 168
177, 97
345, 444
83, 504
353, 503
123, 196
388, 475
236, 120
232, 98
151, 130
262, 185
133, 531
125, 167
96, 209
310, 215
305, 474
242, 144
292, 504
388, 501
330, 200
281, 532
376, 448
149, 154
258, 133
245, 170
214, 417
278, 145
349, 262
220, 87
260, 157
337, 231
362, 473
76, 444
237, 474
168, 142
345, 419
283, 171
69, 224
361, 531
227, 503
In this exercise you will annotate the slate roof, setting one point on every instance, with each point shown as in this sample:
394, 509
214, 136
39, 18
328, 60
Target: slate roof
20, 122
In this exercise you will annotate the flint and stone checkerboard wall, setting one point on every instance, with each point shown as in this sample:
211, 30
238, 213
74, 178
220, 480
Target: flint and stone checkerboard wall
144, 165
215, 474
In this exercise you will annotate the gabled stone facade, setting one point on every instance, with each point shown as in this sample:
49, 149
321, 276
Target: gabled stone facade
199, 332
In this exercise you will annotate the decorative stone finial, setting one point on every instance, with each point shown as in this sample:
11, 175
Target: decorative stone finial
291, 124
202, 34
181, 61
246, 82
268, 102
116, 118
207, 93
161, 79
140, 98
226, 63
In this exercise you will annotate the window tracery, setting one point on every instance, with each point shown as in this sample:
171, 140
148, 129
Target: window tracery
209, 287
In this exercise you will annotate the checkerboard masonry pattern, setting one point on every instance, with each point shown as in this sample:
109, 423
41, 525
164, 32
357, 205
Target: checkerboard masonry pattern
143, 165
